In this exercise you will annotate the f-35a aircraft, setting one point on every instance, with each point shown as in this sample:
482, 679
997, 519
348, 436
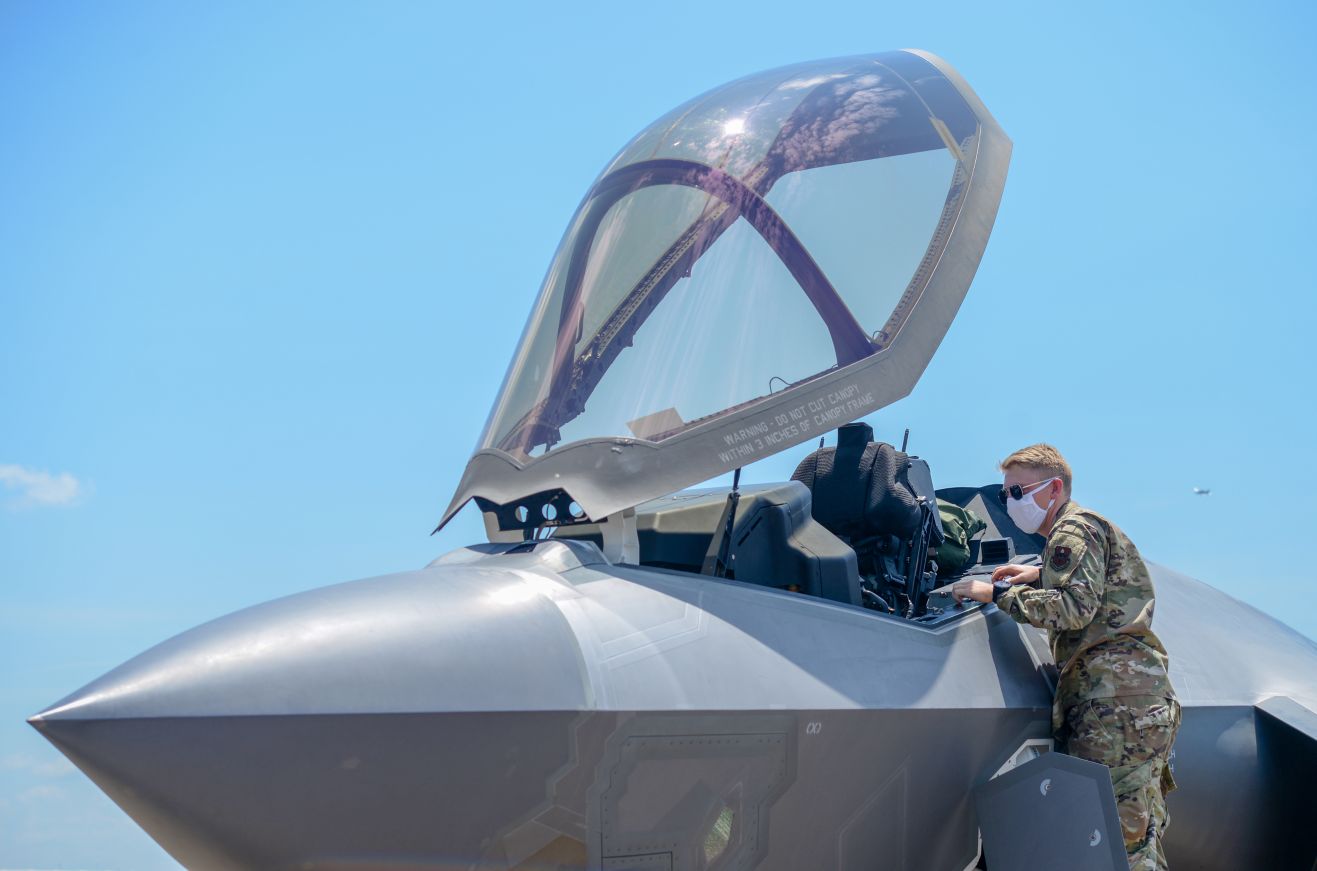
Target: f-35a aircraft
629, 675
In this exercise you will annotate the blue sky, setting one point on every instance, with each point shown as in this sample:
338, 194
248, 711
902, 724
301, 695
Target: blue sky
261, 270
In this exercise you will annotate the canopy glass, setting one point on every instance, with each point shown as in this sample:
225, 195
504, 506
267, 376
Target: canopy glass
764, 234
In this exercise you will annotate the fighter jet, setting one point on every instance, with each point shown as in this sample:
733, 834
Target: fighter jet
632, 675
1202, 491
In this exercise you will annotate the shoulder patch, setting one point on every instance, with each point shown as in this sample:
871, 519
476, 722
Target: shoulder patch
1060, 557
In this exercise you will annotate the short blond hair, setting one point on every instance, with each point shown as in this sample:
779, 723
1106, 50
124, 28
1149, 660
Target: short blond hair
1042, 458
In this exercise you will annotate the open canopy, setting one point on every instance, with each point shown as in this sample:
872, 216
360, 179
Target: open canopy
765, 263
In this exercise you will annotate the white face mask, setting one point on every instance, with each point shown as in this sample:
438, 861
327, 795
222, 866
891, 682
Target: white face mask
1025, 512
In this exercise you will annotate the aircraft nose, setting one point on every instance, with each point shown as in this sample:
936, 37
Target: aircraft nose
448, 638
342, 717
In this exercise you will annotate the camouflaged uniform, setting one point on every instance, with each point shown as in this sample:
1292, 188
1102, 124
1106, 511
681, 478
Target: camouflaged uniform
1114, 701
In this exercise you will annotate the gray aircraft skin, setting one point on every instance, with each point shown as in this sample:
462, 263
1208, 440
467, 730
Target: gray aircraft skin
630, 677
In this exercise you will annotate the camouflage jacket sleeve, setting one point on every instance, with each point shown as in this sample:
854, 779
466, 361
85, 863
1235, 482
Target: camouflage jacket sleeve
1073, 580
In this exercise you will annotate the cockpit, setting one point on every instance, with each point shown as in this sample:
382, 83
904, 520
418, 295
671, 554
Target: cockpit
759, 267
859, 523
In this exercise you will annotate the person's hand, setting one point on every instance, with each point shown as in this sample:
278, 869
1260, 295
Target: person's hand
1017, 574
979, 591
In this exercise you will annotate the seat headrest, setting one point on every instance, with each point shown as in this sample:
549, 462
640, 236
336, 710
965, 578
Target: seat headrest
854, 436
859, 488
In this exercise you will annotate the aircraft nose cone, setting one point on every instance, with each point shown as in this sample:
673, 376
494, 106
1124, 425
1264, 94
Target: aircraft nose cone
442, 639
309, 720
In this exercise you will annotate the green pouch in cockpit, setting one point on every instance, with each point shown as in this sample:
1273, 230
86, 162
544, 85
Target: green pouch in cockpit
959, 525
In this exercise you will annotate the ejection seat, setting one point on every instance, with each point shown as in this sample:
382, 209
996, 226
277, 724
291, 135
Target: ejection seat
881, 502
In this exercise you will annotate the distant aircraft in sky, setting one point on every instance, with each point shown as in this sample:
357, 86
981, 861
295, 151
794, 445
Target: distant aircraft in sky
629, 676
1203, 491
